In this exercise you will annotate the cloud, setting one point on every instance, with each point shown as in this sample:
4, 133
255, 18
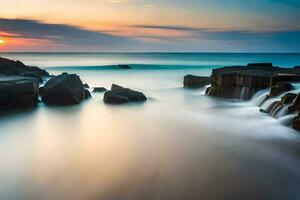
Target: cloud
59, 33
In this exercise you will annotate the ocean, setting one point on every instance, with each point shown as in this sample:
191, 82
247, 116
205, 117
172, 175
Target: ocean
179, 145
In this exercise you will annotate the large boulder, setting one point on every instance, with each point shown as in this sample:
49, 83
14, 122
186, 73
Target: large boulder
11, 67
99, 89
191, 81
16, 91
65, 89
280, 88
120, 95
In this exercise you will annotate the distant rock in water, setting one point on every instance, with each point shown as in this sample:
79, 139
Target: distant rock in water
17, 68
121, 95
65, 89
99, 89
124, 66
191, 81
241, 82
18, 92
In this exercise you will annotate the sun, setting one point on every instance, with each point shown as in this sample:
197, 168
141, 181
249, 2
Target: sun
2, 41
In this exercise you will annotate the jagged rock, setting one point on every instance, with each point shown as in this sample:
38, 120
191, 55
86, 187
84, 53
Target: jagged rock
280, 88
10, 67
16, 91
191, 81
99, 89
296, 123
86, 85
120, 95
65, 89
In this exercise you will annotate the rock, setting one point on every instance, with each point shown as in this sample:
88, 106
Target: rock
99, 89
230, 82
296, 123
125, 67
65, 89
191, 81
16, 91
86, 85
263, 111
280, 88
87, 94
10, 67
119, 95
288, 98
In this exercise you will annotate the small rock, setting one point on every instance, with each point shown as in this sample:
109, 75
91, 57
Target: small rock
191, 81
125, 67
86, 85
99, 89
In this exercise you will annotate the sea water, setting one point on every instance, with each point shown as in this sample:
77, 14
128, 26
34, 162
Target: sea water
178, 145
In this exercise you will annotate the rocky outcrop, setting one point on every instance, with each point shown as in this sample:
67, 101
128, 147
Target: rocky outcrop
241, 82
120, 95
65, 89
191, 81
16, 91
99, 89
17, 68
124, 66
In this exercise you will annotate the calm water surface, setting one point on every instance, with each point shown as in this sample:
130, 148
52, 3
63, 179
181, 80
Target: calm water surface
180, 144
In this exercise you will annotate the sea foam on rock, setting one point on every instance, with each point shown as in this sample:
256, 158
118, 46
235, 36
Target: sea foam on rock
65, 89
121, 95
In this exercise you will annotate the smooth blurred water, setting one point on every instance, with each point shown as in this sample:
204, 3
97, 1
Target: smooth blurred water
178, 145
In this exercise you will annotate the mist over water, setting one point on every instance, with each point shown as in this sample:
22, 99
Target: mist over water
180, 144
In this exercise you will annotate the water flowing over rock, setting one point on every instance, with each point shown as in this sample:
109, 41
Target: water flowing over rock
65, 89
120, 95
17, 91
241, 82
280, 88
191, 81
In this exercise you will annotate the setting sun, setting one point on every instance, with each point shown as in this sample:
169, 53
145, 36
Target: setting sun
2, 41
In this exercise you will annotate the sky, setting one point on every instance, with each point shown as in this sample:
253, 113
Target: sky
150, 25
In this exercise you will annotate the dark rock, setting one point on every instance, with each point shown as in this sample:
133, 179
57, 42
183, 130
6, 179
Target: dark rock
296, 123
260, 66
191, 81
280, 88
125, 67
87, 94
288, 98
10, 67
263, 111
17, 92
99, 89
119, 95
86, 85
65, 89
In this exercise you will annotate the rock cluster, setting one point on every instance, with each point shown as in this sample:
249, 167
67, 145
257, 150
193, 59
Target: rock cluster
120, 95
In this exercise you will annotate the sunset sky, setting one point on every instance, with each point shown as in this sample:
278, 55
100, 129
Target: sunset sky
150, 25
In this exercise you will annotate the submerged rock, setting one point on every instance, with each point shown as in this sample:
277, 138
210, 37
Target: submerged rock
65, 89
120, 95
191, 81
99, 89
16, 91
87, 94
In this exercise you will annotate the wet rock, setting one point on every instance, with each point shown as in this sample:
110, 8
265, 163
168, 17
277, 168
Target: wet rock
18, 92
65, 89
99, 89
191, 81
11, 67
120, 95
288, 98
296, 123
87, 94
280, 88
